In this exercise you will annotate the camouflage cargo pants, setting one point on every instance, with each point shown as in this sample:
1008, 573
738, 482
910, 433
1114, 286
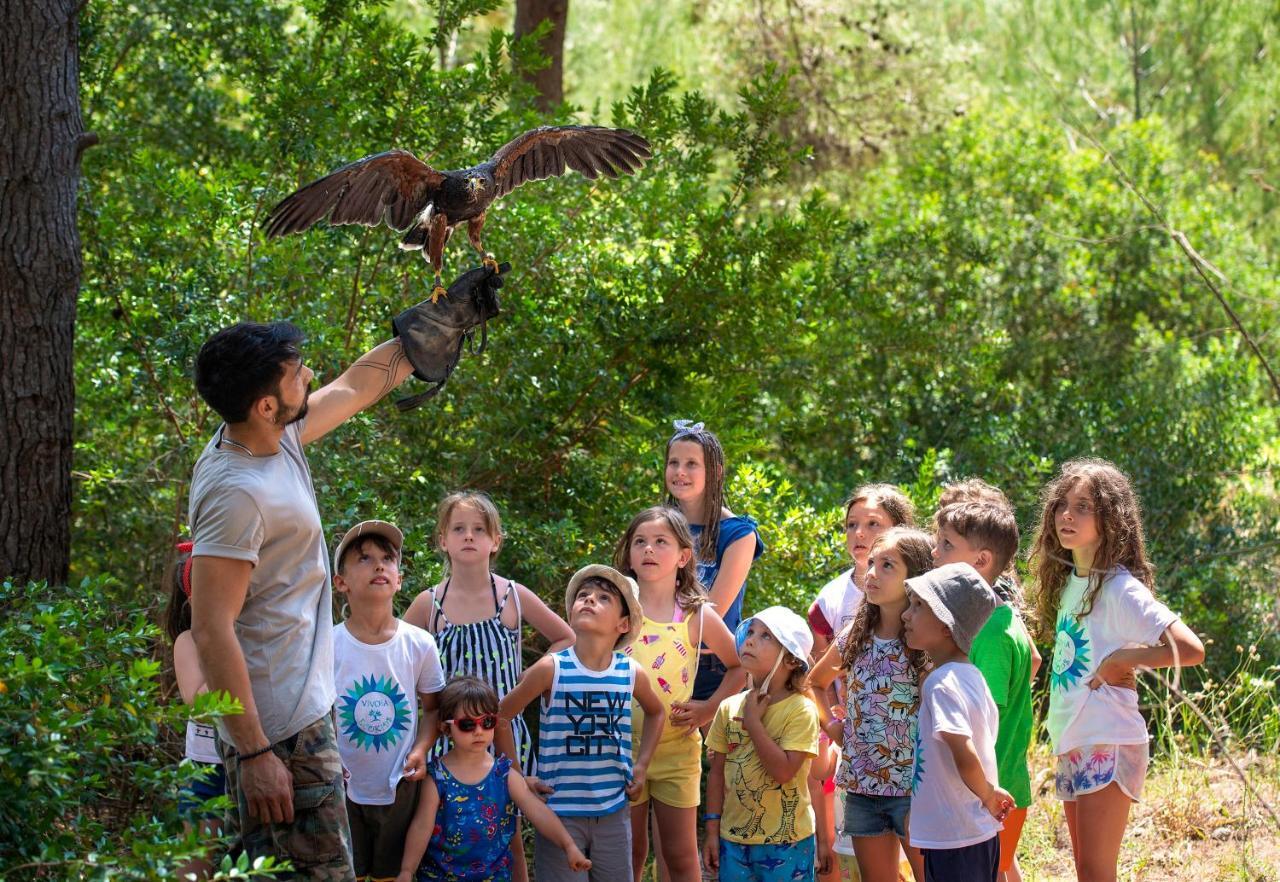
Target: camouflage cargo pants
318, 842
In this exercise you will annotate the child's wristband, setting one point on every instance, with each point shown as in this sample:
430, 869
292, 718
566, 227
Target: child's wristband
710, 817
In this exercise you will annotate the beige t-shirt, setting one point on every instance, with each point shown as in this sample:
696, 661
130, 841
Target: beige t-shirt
263, 509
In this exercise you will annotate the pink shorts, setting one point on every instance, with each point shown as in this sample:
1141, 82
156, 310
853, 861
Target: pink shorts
1089, 769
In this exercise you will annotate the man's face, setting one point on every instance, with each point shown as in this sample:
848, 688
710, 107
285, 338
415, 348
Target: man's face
294, 390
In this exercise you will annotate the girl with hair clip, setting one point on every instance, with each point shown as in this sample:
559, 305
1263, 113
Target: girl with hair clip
657, 550
726, 544
882, 703
210, 779
1094, 599
477, 616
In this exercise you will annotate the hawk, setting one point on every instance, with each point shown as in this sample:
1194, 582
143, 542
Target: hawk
410, 196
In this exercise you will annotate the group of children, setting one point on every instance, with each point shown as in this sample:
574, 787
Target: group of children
906, 692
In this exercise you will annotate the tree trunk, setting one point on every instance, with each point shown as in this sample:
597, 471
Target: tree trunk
550, 80
39, 280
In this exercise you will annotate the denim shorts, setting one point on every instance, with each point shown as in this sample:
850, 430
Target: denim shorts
874, 815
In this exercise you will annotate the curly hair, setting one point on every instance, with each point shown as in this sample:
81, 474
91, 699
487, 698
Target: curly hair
1122, 543
915, 547
972, 490
690, 594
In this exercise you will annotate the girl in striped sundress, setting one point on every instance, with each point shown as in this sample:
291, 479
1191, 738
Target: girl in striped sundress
477, 616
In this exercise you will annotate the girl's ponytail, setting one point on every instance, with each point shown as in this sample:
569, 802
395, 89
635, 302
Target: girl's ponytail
177, 616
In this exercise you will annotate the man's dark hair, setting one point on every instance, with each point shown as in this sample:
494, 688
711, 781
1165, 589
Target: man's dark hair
242, 363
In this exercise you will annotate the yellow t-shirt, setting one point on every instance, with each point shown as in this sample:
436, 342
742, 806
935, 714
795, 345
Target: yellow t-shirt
757, 810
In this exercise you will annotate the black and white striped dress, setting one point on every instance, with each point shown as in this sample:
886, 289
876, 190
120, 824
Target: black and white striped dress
487, 649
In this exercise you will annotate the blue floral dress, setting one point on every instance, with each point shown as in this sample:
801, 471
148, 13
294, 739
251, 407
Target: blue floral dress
474, 825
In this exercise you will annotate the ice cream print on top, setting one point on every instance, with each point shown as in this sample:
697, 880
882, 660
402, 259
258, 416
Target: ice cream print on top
374, 713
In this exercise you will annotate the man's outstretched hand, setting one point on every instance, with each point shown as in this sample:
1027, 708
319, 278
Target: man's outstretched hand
432, 334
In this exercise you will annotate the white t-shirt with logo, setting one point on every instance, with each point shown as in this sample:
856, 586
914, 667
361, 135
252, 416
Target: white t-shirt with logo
945, 813
1125, 614
838, 601
378, 686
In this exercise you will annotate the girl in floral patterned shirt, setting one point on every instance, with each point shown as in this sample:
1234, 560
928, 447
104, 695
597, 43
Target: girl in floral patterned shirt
466, 814
882, 678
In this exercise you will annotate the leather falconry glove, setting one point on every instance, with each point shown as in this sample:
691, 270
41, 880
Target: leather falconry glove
433, 334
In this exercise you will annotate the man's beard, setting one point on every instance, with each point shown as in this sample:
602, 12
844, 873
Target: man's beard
284, 418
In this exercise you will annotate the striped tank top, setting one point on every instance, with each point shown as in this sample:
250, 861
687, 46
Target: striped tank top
487, 649
584, 736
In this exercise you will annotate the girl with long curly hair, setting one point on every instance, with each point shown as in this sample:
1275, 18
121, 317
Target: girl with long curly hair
1095, 600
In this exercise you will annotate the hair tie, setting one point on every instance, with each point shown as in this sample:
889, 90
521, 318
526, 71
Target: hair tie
687, 427
184, 572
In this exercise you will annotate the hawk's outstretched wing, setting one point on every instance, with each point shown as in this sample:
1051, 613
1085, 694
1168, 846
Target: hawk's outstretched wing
391, 187
545, 152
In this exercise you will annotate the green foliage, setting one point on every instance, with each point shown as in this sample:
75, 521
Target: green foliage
81, 714
985, 301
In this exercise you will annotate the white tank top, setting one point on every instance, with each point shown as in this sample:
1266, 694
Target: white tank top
200, 744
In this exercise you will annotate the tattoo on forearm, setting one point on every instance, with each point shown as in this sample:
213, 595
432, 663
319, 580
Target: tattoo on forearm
389, 363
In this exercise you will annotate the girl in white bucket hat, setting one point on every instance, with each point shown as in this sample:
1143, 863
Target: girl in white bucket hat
759, 821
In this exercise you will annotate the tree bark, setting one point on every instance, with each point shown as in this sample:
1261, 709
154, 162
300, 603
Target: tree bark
550, 80
40, 268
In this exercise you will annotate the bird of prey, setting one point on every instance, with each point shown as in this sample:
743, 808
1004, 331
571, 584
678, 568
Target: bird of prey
408, 195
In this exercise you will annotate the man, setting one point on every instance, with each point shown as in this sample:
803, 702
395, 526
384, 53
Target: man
261, 602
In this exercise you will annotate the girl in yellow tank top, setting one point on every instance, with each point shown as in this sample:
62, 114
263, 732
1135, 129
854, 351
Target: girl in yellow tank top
658, 552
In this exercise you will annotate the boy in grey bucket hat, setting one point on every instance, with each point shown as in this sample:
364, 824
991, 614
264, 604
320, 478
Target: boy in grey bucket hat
959, 597
957, 805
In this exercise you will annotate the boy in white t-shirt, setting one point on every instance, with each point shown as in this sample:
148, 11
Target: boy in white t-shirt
956, 804
380, 663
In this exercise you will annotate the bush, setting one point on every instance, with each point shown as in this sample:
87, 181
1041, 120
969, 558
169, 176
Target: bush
90, 791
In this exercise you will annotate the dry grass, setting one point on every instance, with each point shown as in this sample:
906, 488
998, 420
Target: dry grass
1197, 821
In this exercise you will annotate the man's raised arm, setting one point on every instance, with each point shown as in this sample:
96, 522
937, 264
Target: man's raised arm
428, 341
362, 385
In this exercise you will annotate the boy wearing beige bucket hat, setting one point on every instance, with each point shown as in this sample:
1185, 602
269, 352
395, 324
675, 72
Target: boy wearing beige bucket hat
585, 765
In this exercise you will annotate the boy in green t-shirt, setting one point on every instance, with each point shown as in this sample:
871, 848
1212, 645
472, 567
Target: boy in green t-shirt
985, 536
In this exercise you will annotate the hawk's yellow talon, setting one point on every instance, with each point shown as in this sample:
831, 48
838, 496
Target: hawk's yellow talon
491, 262
437, 292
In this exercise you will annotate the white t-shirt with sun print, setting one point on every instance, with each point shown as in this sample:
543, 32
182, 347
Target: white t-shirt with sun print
378, 686
1125, 614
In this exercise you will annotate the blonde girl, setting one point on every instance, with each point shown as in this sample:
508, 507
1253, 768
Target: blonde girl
1095, 601
477, 616
882, 688
657, 550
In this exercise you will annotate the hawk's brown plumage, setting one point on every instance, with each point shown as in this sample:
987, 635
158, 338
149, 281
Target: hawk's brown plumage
402, 191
